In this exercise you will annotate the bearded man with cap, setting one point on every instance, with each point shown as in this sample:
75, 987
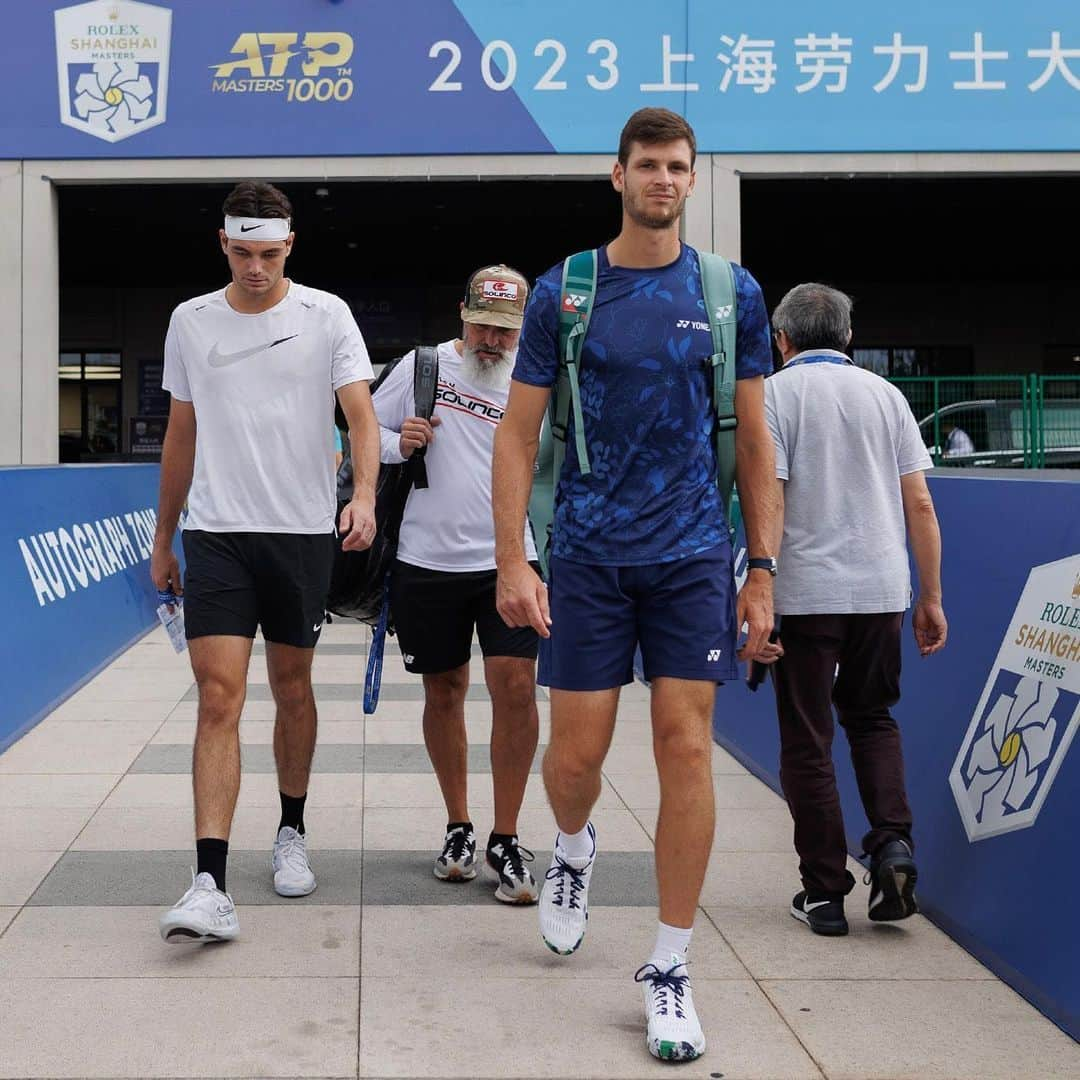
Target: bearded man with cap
253, 369
443, 583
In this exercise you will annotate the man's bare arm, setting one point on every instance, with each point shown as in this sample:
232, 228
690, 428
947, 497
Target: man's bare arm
521, 595
177, 467
928, 619
755, 477
358, 518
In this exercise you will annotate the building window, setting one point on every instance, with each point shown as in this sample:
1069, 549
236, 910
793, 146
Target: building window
90, 387
916, 359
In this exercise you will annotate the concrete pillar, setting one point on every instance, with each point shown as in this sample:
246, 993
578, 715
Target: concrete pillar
11, 313
40, 317
726, 210
697, 223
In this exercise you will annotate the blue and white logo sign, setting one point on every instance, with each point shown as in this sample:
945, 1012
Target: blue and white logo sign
112, 61
1029, 709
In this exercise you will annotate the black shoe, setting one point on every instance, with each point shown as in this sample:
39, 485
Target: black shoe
892, 878
504, 867
823, 916
457, 862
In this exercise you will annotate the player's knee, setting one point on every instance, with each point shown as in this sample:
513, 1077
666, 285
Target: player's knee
686, 750
220, 703
515, 690
292, 692
447, 689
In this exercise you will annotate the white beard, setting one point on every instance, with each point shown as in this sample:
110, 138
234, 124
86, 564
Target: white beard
494, 374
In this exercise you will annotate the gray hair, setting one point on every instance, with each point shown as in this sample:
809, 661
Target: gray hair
815, 316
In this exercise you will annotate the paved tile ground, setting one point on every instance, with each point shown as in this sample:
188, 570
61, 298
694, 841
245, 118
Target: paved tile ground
386, 972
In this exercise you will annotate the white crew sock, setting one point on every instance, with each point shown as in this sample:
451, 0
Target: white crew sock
577, 845
672, 943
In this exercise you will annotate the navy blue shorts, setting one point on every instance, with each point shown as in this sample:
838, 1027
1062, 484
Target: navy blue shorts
681, 613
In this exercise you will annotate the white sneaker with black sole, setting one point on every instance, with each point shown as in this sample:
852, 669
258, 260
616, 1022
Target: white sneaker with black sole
564, 901
203, 913
292, 872
504, 867
457, 861
672, 1031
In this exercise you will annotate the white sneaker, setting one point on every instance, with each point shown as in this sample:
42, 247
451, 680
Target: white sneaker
203, 913
673, 1032
292, 874
564, 902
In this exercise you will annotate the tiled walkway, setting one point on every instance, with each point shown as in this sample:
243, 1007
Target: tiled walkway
386, 972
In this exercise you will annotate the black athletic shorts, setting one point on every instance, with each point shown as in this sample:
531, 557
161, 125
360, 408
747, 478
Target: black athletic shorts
436, 611
237, 581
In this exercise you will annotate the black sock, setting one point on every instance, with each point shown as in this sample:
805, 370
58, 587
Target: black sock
212, 854
452, 825
506, 839
292, 812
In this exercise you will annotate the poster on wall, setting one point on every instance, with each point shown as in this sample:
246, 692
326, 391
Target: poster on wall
277, 77
148, 435
1029, 709
153, 400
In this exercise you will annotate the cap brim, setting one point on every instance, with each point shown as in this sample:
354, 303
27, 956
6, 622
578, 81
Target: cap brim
503, 319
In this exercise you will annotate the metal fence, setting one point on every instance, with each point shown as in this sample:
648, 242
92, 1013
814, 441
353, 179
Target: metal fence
1011, 421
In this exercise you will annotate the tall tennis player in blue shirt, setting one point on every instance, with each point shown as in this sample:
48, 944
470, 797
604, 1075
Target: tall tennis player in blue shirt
640, 552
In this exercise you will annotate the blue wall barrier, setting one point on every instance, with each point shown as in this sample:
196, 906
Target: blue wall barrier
987, 726
75, 586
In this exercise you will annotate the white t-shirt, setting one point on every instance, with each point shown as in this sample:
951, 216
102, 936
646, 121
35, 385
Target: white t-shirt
263, 389
844, 437
448, 525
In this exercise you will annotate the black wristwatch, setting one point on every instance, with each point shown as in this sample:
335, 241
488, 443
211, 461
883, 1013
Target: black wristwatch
765, 563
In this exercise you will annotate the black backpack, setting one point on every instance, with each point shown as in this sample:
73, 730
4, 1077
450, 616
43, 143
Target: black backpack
358, 580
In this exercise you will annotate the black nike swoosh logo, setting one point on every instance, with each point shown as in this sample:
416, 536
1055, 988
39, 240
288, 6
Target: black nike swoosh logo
218, 359
249, 228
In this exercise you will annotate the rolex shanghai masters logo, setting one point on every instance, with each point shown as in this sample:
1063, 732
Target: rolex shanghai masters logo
112, 60
1029, 709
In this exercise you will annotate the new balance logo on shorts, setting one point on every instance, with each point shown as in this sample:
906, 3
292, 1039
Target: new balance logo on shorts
714, 654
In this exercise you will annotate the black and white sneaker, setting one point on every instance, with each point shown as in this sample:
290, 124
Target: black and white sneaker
458, 859
504, 866
823, 916
891, 877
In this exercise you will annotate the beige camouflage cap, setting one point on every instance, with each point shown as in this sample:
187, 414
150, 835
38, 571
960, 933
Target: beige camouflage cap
496, 296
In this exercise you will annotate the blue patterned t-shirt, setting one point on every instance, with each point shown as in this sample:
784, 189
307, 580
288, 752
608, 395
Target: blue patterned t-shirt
646, 397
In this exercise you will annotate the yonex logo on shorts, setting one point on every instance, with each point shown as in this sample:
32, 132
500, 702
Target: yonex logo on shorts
408, 658
714, 654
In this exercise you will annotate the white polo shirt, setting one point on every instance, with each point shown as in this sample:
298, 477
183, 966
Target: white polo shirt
844, 437
263, 389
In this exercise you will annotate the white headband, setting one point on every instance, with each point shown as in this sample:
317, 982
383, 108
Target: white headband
250, 228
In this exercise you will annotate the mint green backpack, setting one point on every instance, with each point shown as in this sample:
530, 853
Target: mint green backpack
575, 307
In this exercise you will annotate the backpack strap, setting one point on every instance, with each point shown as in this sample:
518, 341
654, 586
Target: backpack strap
718, 289
575, 308
425, 383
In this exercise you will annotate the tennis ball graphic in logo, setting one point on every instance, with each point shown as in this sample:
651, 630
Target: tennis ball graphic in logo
1010, 748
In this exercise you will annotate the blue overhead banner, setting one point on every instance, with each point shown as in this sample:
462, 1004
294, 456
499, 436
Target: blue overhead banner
199, 78
75, 587
990, 729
